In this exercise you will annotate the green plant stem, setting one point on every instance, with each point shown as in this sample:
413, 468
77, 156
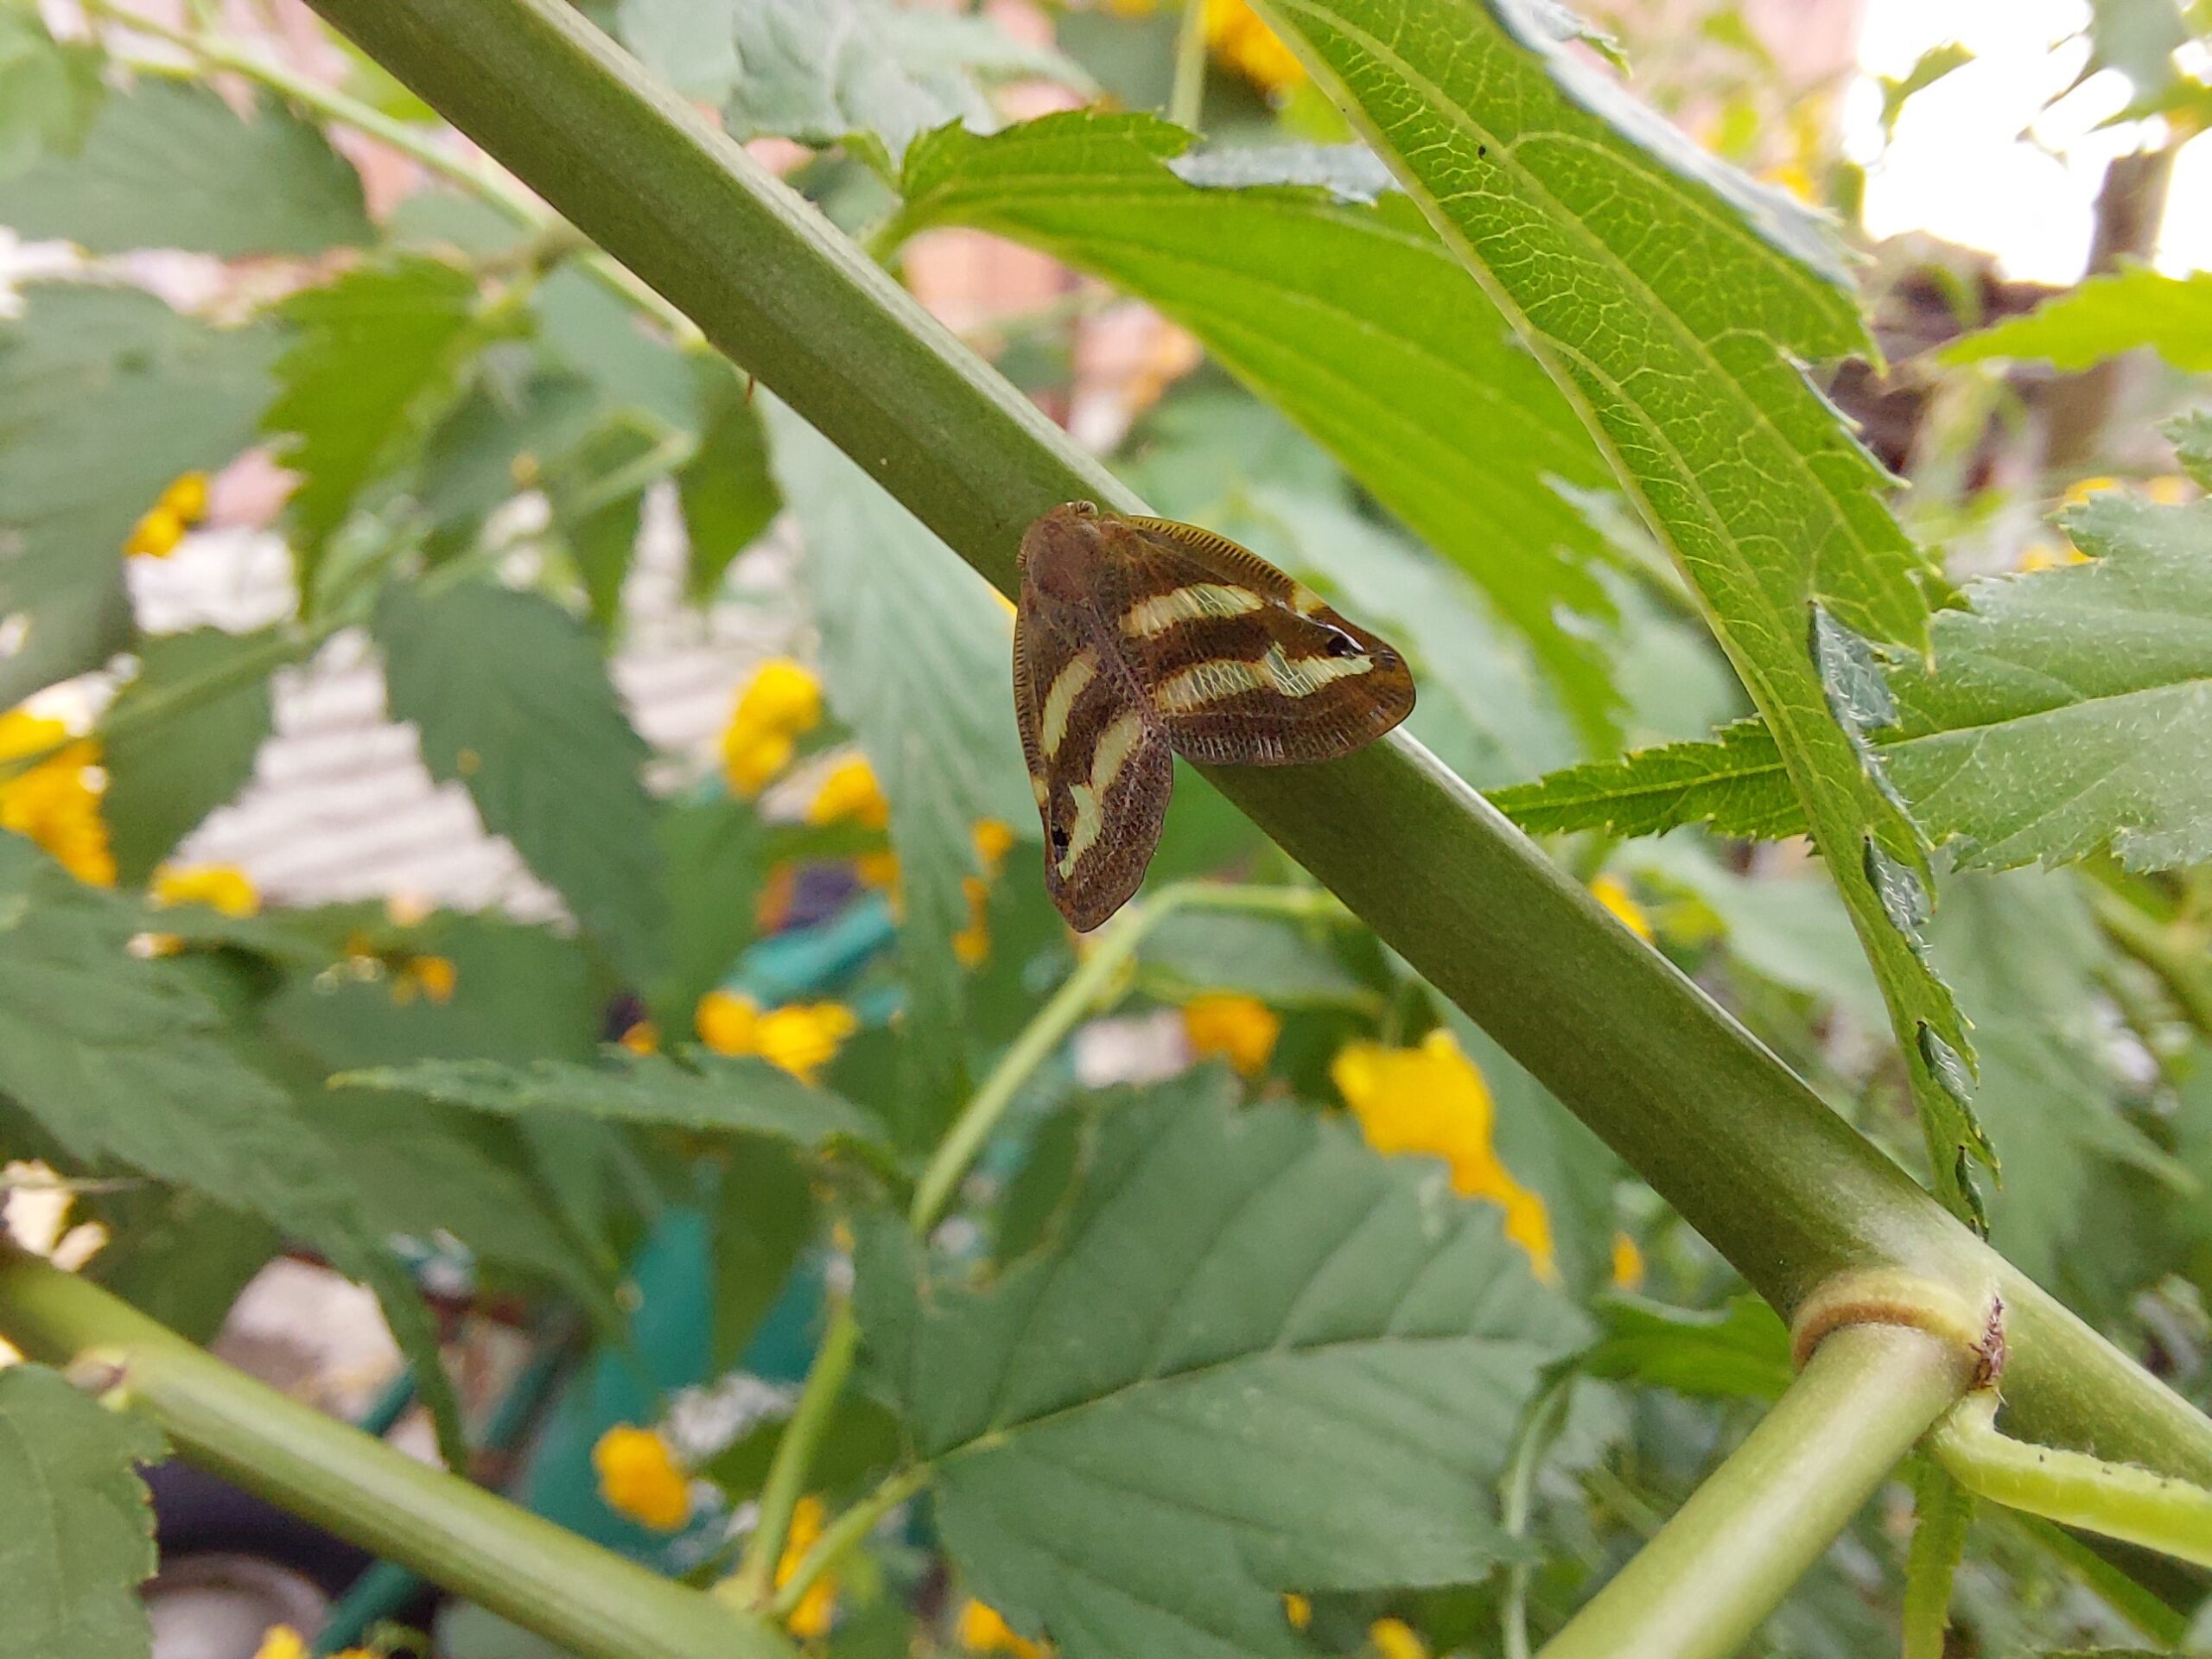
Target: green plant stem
2072, 1488
1186, 96
845, 1533
786, 1483
1739, 1144
1515, 1496
1731, 1554
1078, 994
1941, 1511
519, 1564
2184, 972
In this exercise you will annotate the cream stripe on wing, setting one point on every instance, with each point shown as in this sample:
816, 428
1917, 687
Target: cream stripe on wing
1116, 744
1187, 604
1227, 676
1059, 703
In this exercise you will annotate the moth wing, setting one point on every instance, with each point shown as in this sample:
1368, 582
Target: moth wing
1244, 665
1099, 768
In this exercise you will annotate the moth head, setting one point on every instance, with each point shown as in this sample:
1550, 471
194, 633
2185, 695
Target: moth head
1062, 547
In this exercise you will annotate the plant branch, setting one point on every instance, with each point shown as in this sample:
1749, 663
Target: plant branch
845, 1533
2184, 972
756, 1576
2119, 1500
519, 1564
1738, 1144
1731, 1554
1187, 96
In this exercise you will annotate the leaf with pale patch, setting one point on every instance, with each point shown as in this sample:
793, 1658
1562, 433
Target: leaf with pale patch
1254, 1358
78, 1538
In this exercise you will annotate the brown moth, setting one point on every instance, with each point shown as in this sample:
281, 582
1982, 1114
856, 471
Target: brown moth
1136, 640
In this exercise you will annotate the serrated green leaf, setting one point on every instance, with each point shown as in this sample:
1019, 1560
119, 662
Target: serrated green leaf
79, 1533
1736, 784
50, 94
123, 1058
821, 71
512, 699
2105, 317
598, 336
1741, 1352
169, 164
728, 492
163, 776
1258, 1358
740, 1096
1575, 209
764, 1216
598, 495
106, 396
2191, 436
503, 436
917, 659
375, 361
1356, 321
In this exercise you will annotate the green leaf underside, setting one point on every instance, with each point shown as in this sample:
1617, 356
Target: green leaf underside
162, 779
1674, 301
2069, 710
1255, 1358
917, 659
824, 71
106, 395
1741, 1352
511, 698
120, 1058
746, 1096
79, 1536
376, 358
169, 164
727, 493
2105, 317
50, 92
1352, 320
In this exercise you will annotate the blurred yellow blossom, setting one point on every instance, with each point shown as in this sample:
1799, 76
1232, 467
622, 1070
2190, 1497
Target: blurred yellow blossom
972, 943
877, 869
800, 1037
1241, 1029
1393, 1638
638, 1477
430, 977
162, 526
643, 1037
1612, 892
1236, 37
1628, 1263
2169, 489
56, 803
2043, 554
281, 1642
1299, 1611
2081, 489
849, 791
815, 1609
780, 703
1432, 1101
222, 887
981, 1629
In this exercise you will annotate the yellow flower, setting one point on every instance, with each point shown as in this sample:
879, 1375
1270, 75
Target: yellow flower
1432, 1102
779, 704
155, 536
281, 1642
994, 841
877, 869
818, 1606
981, 1629
1612, 892
2081, 489
222, 887
1393, 1638
2043, 554
431, 977
1299, 1611
972, 943
1628, 1263
1235, 35
850, 791
2169, 489
1240, 1028
56, 803
801, 1037
643, 1037
186, 497
638, 1477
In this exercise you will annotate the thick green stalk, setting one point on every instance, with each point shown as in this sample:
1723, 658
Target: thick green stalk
519, 1564
1738, 1144
1731, 1554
